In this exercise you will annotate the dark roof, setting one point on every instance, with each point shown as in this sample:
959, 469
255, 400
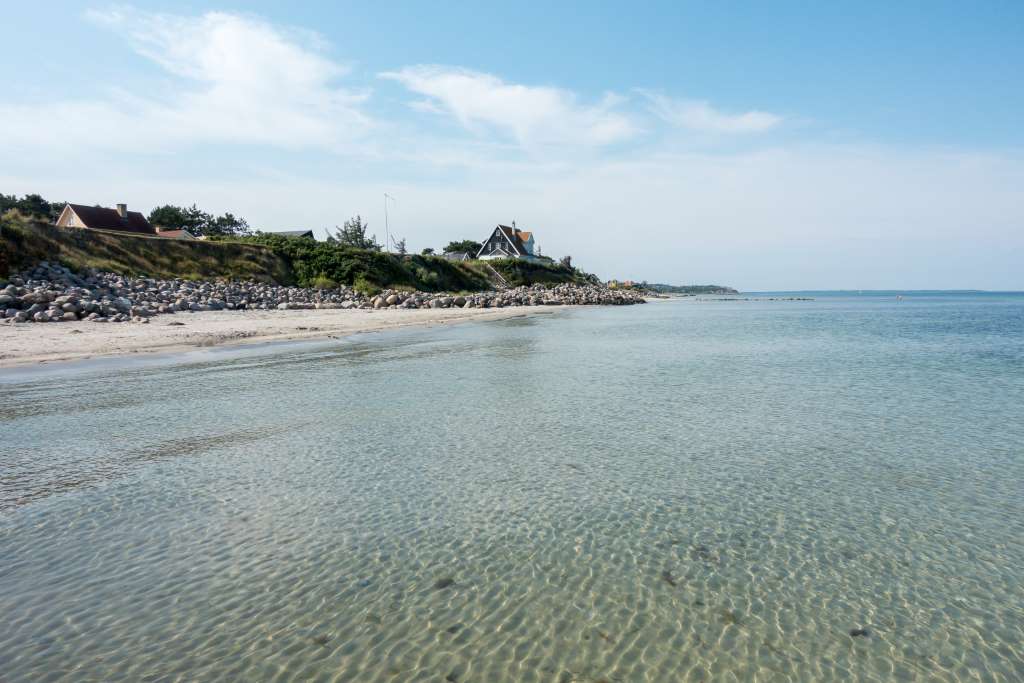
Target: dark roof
294, 233
516, 238
100, 218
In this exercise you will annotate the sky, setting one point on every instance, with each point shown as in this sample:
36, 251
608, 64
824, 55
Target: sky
766, 146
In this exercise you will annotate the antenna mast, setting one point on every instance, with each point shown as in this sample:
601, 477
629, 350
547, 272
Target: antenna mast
387, 227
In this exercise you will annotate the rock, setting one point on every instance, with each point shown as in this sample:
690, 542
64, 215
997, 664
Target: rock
442, 583
859, 633
54, 290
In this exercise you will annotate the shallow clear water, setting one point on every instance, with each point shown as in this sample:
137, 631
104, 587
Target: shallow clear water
680, 491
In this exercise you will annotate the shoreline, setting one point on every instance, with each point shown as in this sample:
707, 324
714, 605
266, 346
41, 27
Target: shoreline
33, 344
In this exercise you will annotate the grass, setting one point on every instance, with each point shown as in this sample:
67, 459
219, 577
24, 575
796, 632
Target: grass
517, 272
366, 270
25, 242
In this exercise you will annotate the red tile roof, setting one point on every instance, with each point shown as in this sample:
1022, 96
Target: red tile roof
517, 237
100, 218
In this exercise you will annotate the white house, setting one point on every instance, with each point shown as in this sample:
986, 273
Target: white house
506, 242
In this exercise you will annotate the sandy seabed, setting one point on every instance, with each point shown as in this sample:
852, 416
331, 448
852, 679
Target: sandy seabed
28, 343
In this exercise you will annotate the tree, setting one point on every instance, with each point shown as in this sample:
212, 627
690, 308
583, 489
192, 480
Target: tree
227, 224
566, 261
468, 246
353, 234
31, 204
198, 222
34, 204
428, 251
400, 247
168, 216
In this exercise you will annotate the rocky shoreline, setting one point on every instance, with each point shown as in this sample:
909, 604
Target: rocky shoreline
52, 293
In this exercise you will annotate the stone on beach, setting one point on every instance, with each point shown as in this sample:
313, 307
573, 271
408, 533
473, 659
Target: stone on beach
51, 292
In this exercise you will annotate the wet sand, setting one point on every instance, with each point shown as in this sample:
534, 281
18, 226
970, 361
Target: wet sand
31, 343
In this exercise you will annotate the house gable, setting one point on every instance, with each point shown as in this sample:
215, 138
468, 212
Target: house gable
100, 218
503, 242
67, 218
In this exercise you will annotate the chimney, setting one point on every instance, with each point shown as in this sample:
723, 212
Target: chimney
122, 210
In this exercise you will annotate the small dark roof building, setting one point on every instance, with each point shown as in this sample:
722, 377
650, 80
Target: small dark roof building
175, 234
101, 218
304, 234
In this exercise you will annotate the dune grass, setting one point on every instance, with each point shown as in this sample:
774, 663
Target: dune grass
25, 242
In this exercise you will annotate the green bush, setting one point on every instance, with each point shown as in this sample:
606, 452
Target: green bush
365, 287
322, 282
376, 270
518, 272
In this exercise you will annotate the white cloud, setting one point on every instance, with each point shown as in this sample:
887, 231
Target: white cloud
841, 216
531, 114
230, 78
701, 116
792, 215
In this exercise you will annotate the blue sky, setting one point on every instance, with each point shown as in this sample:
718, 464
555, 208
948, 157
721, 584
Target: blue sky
781, 146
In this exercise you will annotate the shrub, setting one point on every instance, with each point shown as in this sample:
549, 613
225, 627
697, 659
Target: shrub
323, 282
365, 287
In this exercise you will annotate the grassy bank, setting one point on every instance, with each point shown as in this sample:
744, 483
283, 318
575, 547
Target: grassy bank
266, 257
25, 242
518, 273
318, 264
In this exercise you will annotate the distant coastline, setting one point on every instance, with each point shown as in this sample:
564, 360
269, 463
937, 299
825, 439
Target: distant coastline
689, 289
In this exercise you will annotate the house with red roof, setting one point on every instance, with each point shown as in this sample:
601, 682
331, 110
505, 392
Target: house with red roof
173, 234
101, 218
509, 242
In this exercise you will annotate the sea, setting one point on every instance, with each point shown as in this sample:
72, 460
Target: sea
822, 486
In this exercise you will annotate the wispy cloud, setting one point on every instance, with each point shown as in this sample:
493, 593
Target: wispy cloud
230, 78
700, 116
531, 114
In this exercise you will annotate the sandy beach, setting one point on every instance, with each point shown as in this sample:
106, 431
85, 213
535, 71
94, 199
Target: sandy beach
25, 344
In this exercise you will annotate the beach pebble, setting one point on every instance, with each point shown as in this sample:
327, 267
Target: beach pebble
54, 291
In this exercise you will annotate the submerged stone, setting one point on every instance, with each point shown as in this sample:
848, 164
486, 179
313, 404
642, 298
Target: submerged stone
859, 633
446, 582
731, 617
